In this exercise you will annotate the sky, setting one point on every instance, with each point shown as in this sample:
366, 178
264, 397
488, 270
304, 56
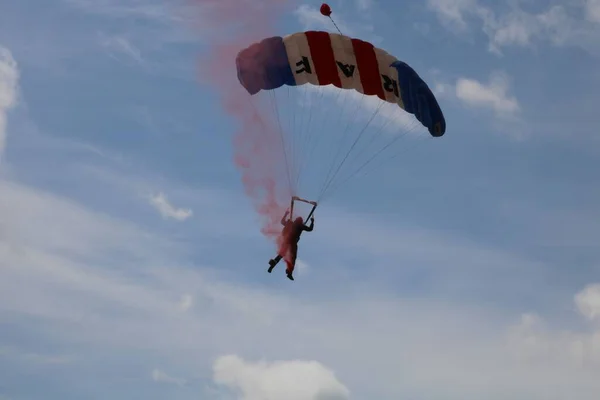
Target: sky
132, 263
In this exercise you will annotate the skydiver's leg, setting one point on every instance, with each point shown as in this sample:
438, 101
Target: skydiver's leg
289, 270
283, 246
291, 261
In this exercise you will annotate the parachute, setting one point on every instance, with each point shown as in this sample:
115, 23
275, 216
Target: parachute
319, 87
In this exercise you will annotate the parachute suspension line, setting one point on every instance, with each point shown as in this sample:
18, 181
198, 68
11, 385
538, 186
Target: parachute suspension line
399, 153
293, 111
339, 149
350, 150
310, 137
359, 136
375, 136
318, 134
290, 129
299, 137
314, 93
296, 138
374, 156
327, 117
311, 104
418, 141
299, 119
407, 128
265, 127
327, 113
307, 101
297, 155
283, 146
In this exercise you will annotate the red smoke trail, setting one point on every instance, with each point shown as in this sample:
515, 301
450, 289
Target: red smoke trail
258, 151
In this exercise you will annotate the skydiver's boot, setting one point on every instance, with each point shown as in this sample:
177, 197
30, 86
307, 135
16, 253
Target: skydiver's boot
288, 272
273, 262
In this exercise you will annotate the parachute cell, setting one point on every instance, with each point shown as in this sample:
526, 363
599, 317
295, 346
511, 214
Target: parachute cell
323, 58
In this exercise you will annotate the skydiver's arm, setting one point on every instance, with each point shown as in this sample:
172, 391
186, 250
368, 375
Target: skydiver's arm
284, 218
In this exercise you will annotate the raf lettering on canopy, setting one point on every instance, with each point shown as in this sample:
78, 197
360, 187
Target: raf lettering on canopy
304, 66
389, 84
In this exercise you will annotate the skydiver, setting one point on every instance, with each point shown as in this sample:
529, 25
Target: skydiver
290, 236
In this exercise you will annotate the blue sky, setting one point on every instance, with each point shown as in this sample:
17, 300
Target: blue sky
132, 264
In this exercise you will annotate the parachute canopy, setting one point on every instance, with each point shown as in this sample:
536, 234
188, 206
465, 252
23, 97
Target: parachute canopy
321, 88
324, 58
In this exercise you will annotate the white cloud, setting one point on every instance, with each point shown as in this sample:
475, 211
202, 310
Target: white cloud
592, 8
35, 358
292, 380
162, 377
536, 346
48, 359
302, 267
557, 24
492, 95
452, 11
120, 45
364, 5
158, 11
186, 302
22, 209
9, 80
167, 210
443, 89
165, 22
588, 302
521, 28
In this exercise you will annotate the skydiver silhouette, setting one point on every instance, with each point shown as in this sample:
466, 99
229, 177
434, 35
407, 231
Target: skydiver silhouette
288, 242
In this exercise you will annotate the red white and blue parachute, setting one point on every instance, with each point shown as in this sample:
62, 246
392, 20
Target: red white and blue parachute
330, 63
323, 58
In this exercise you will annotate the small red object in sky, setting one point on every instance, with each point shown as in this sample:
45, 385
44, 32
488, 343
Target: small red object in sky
325, 9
